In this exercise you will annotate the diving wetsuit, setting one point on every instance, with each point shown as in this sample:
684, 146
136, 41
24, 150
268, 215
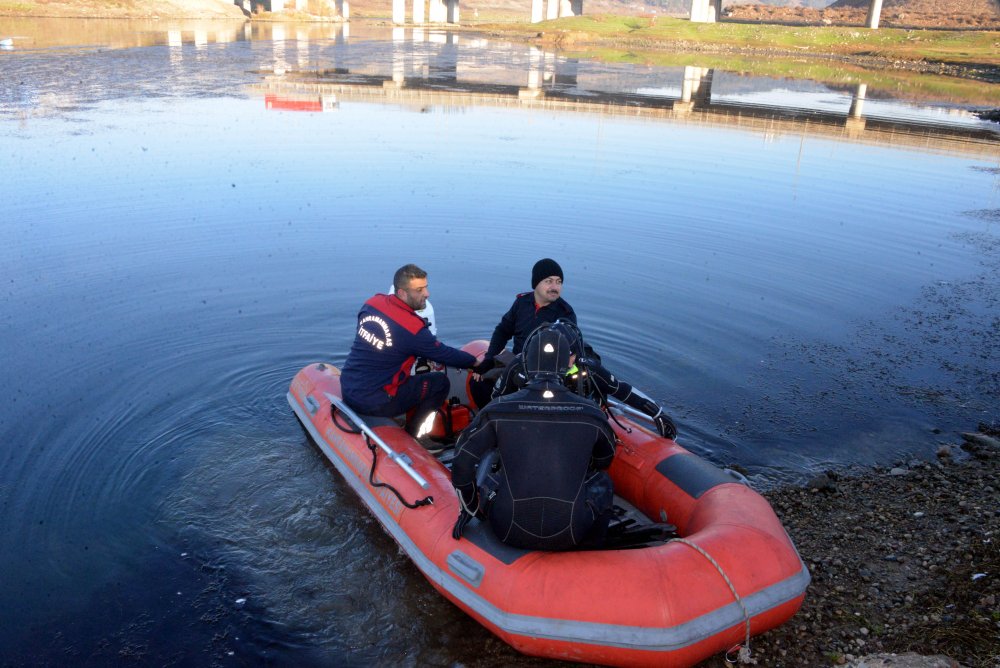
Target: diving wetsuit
553, 447
592, 380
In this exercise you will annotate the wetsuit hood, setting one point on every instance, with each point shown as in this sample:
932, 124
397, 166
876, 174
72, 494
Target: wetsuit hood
546, 352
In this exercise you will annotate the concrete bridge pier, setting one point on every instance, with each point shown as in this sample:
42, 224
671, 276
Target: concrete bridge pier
418, 12
444, 67
706, 11
536, 76
570, 8
278, 48
696, 89
451, 15
419, 58
545, 10
858, 101
855, 121
302, 48
343, 8
340, 48
699, 11
537, 9
565, 71
398, 58
874, 13
694, 79
437, 12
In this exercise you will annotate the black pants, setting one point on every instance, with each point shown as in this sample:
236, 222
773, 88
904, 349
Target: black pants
425, 392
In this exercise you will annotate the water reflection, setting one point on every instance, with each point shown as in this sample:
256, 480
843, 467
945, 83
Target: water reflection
429, 69
46, 33
437, 70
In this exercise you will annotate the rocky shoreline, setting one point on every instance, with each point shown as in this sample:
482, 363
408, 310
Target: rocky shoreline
905, 564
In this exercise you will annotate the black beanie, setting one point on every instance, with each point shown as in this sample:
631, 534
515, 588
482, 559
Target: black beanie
543, 269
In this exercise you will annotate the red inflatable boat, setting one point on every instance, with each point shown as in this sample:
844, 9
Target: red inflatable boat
733, 572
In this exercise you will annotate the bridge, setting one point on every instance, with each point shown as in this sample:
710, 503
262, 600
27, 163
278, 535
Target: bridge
447, 11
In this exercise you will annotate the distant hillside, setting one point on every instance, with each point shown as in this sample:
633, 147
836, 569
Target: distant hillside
684, 6
917, 6
680, 7
665, 7
978, 14
777, 3
926, 6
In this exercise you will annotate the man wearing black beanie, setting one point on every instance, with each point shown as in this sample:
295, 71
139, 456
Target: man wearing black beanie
532, 309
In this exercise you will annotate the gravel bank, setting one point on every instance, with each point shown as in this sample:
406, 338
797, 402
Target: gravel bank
903, 559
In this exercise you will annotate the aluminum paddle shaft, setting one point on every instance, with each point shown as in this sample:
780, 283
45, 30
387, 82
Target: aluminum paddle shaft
401, 460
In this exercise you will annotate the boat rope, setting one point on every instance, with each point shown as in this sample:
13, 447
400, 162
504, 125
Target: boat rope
345, 428
426, 501
611, 414
742, 652
465, 506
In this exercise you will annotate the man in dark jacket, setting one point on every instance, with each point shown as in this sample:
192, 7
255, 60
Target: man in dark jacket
531, 309
376, 377
553, 445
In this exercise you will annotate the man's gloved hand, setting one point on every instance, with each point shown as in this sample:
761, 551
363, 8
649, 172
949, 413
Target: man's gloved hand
665, 425
487, 364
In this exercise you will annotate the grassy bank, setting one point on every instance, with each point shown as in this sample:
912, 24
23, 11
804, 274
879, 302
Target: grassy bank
965, 47
975, 51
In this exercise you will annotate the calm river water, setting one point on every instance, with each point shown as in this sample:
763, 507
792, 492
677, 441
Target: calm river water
805, 276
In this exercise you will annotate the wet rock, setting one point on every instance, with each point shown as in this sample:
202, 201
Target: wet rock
822, 483
982, 440
897, 471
